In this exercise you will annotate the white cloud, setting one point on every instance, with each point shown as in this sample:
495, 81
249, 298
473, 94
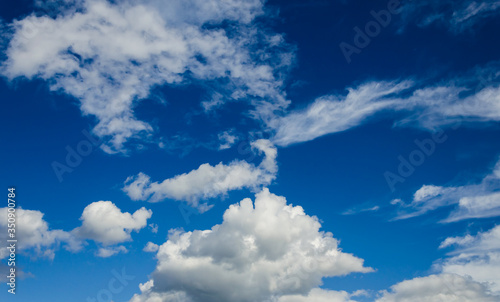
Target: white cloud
476, 256
4, 252
149, 296
208, 11
207, 181
334, 113
477, 207
261, 251
438, 288
105, 252
33, 234
154, 228
396, 201
469, 273
319, 295
444, 105
426, 192
475, 10
468, 99
456, 241
109, 56
151, 247
360, 209
104, 222
480, 200
458, 16
429, 198
227, 139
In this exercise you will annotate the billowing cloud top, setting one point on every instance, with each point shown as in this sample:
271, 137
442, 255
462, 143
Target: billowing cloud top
438, 288
260, 251
102, 222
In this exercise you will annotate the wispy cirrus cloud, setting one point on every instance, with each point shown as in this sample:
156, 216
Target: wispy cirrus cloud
479, 200
467, 99
336, 113
457, 16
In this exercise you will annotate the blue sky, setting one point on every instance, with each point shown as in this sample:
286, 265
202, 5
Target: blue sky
251, 150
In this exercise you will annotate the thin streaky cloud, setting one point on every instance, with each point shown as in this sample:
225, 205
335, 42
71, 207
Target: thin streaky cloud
480, 200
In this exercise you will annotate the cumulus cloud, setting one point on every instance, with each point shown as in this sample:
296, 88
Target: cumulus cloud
438, 288
480, 200
109, 55
207, 181
261, 251
468, 99
476, 256
319, 295
105, 252
468, 273
151, 247
104, 222
34, 234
